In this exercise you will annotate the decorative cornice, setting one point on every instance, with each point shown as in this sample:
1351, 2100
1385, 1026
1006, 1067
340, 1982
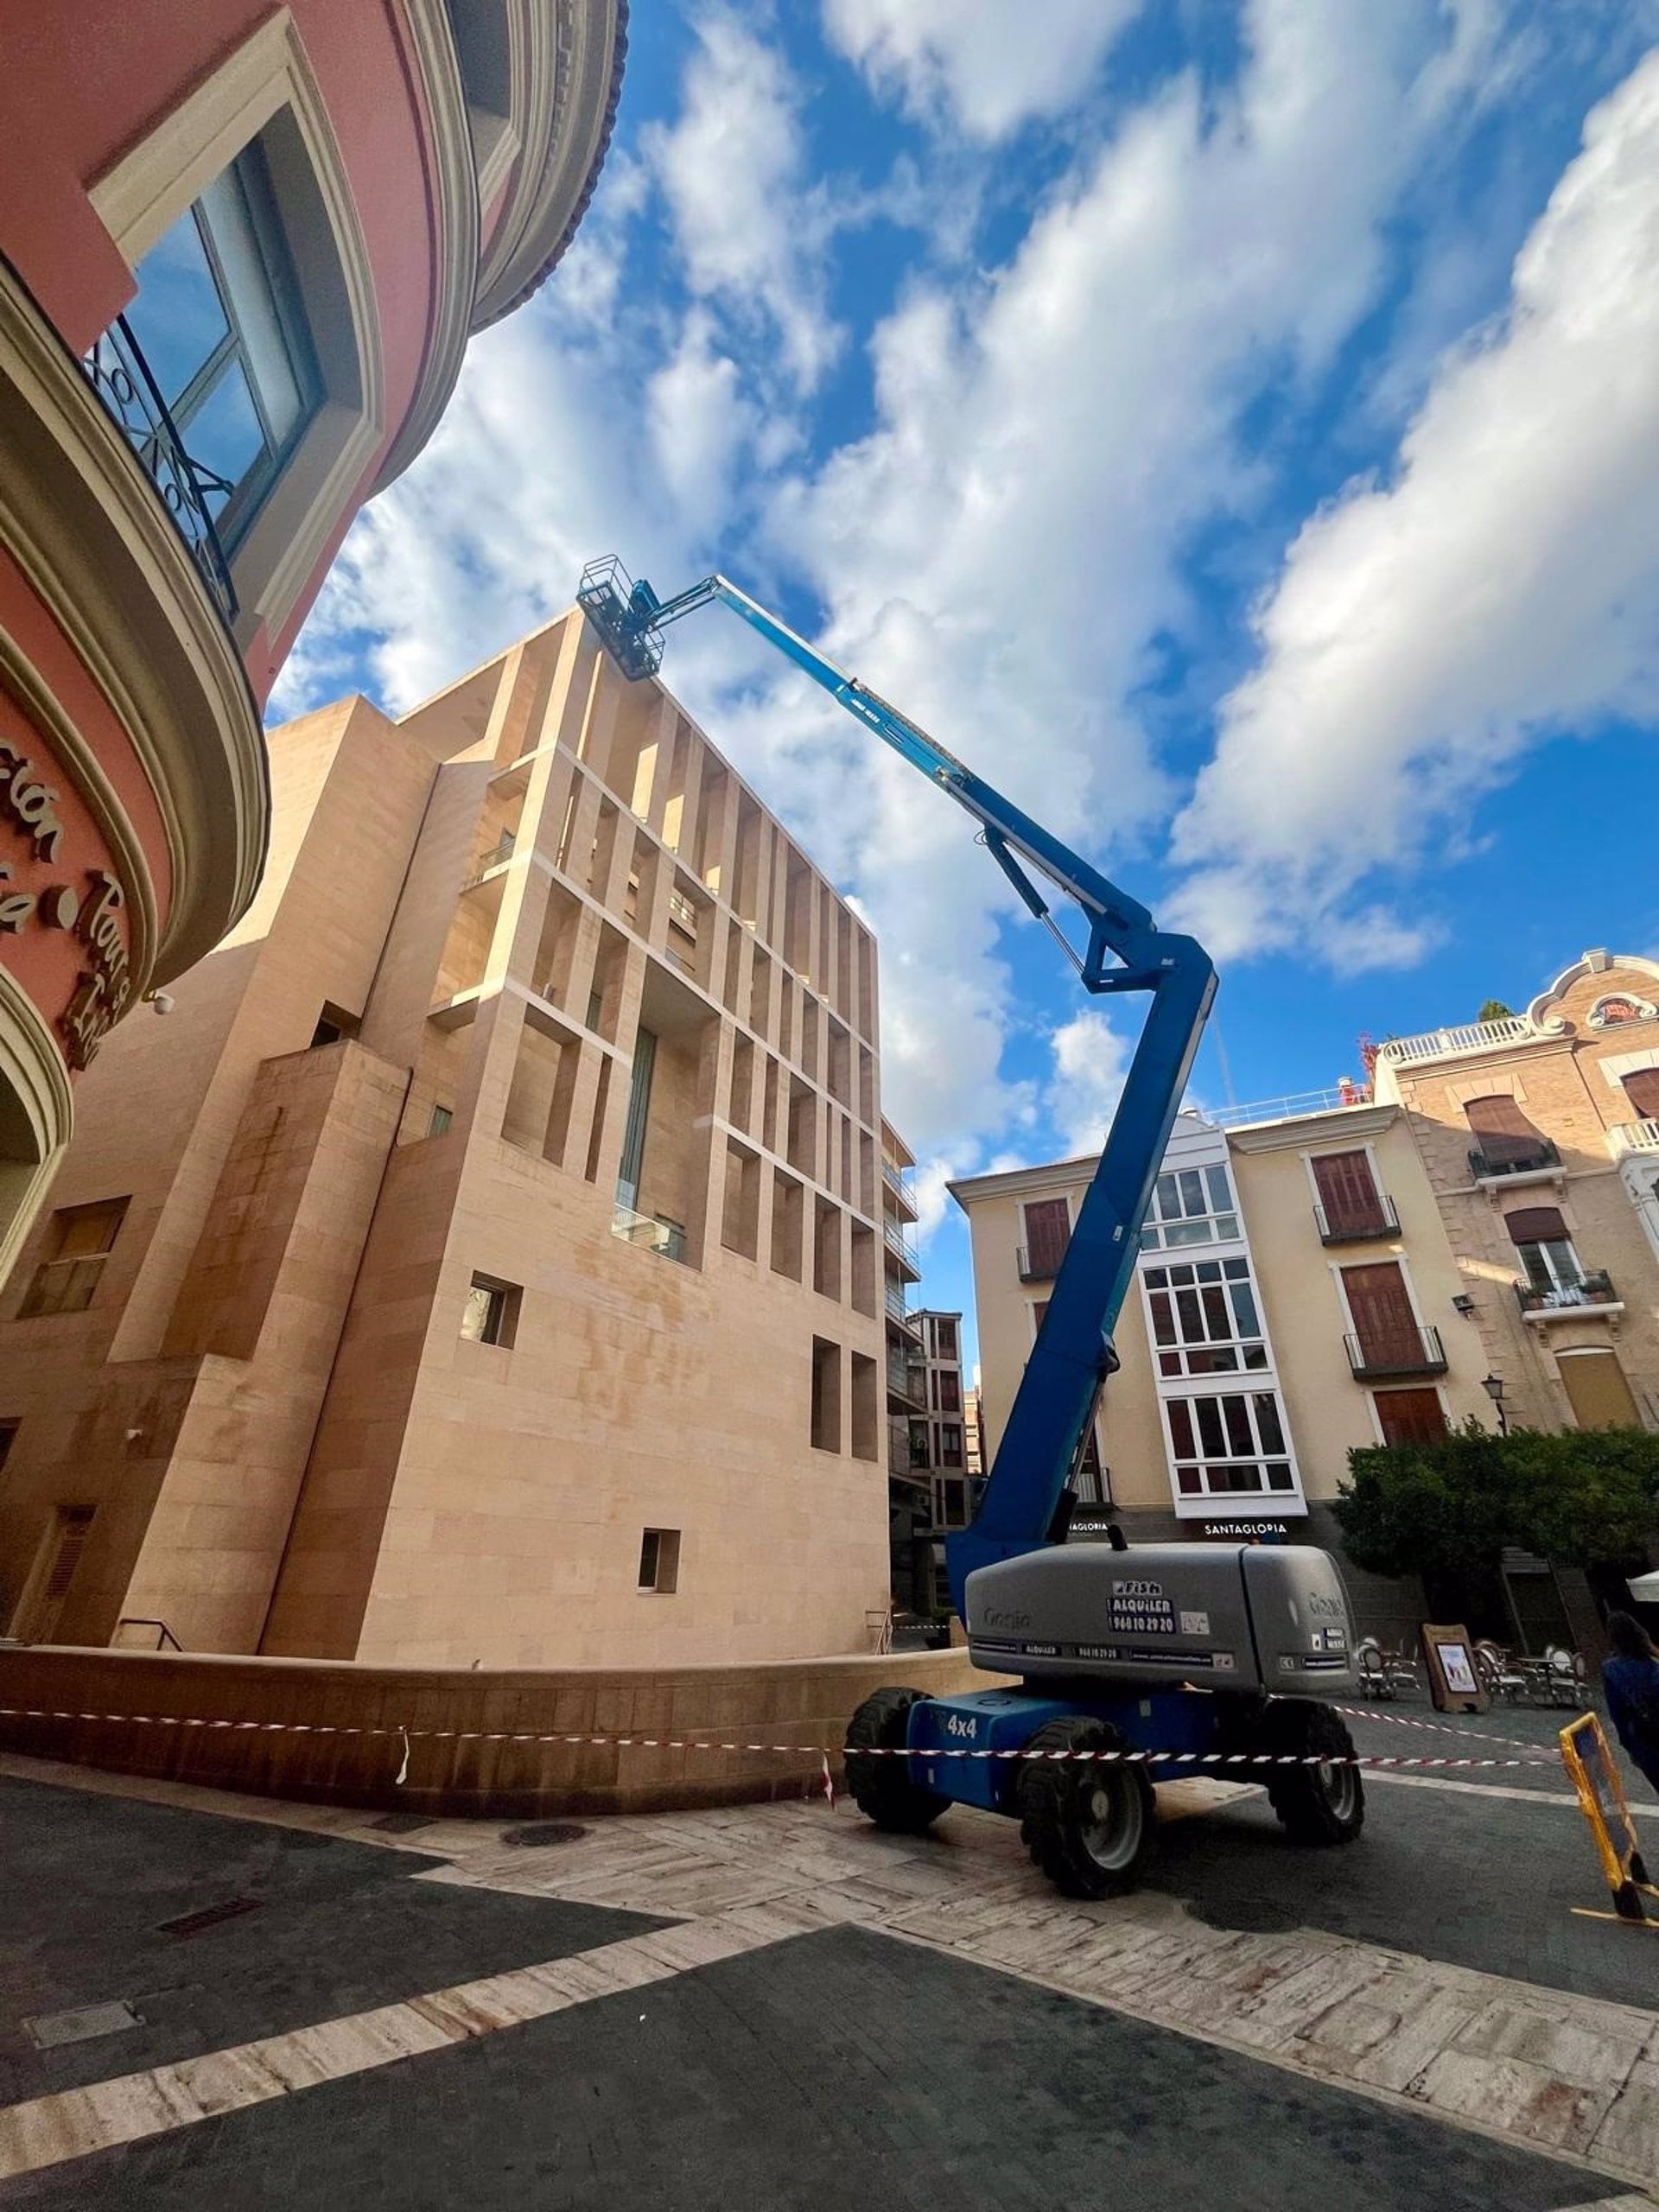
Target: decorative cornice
1591, 964
89, 530
591, 56
455, 194
1343, 1125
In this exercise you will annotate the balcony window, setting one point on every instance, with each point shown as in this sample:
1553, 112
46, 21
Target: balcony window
1506, 1143
1349, 1204
79, 1240
1205, 1318
1048, 1231
1641, 1087
1410, 1416
951, 1443
219, 322
1191, 1206
1222, 1446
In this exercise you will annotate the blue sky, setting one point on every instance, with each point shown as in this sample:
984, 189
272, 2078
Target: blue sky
1234, 430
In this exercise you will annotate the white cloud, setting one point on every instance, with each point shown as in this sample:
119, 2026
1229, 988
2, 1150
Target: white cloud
989, 65
699, 420
1502, 586
731, 170
1091, 1061
994, 555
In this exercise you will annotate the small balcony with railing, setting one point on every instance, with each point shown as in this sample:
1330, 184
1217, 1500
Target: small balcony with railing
1039, 1262
1360, 1222
907, 1381
1538, 1160
901, 1250
1391, 1355
1625, 1137
902, 1322
1592, 1296
895, 1182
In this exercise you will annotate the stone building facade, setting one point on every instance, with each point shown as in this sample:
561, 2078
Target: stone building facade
484, 1263
1539, 1134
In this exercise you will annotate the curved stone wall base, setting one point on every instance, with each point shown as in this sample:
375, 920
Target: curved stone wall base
332, 1733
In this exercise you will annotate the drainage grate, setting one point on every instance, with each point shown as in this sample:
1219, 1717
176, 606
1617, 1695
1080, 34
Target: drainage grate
536, 1833
400, 1823
192, 1923
49, 2029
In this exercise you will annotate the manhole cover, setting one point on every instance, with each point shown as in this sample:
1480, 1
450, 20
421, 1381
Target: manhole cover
192, 1923
536, 1833
400, 1823
49, 2029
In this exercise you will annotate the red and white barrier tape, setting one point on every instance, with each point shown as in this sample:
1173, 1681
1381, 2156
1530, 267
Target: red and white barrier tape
407, 1736
1438, 1727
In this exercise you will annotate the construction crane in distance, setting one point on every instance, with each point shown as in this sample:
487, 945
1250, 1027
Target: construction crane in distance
1173, 1649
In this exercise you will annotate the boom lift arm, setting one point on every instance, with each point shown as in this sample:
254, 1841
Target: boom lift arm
1027, 1502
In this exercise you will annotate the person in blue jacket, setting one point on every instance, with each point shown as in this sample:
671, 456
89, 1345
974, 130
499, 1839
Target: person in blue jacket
1630, 1678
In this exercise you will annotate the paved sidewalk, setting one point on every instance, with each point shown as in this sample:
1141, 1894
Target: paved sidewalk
788, 2008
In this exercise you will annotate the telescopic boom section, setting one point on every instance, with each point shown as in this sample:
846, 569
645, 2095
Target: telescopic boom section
1027, 1499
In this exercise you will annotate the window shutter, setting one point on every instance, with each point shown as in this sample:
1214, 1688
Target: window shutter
1642, 1089
1347, 1188
1410, 1416
1501, 1129
74, 1526
1383, 1321
1048, 1231
1535, 1225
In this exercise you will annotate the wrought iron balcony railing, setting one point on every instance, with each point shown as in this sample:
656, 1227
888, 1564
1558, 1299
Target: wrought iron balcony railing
1402, 1351
1040, 1267
1594, 1288
120, 376
1515, 1159
1354, 1224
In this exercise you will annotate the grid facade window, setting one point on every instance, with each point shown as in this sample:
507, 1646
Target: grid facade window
1221, 1446
1191, 1206
1205, 1318
79, 1244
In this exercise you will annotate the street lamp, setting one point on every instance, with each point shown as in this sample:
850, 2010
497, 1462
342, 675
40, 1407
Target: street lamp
1493, 1385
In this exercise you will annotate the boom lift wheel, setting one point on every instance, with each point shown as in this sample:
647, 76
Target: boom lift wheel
1087, 1823
881, 1787
1315, 1804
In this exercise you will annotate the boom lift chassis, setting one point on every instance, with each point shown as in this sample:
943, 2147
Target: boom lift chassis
1194, 1653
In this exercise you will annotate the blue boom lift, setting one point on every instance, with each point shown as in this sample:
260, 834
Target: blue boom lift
1193, 1652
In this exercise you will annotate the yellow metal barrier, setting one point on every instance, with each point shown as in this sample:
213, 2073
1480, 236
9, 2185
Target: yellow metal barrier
1593, 1772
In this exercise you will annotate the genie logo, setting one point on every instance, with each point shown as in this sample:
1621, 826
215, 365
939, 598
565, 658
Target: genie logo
1323, 1607
996, 1618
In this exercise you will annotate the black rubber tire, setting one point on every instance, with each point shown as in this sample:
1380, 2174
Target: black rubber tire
881, 1787
1316, 1805
1088, 1825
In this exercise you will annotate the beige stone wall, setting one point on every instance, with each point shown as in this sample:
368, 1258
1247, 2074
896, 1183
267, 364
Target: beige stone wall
334, 1734
329, 1467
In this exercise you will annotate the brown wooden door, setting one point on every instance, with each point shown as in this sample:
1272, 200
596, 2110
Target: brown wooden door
1642, 1089
1383, 1321
1347, 1190
1410, 1416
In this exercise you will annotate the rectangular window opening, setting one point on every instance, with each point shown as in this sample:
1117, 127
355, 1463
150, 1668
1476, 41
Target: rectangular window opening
826, 1395
660, 1560
490, 1315
79, 1241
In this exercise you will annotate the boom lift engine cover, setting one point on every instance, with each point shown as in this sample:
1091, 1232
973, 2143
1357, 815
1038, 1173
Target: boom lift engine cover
1223, 1617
